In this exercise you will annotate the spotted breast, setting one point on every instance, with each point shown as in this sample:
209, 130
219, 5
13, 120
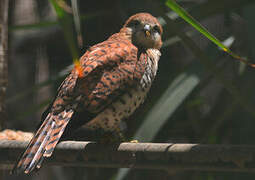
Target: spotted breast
109, 119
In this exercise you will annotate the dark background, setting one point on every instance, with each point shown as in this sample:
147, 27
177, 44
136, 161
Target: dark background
200, 95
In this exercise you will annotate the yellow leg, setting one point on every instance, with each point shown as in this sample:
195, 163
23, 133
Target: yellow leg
134, 141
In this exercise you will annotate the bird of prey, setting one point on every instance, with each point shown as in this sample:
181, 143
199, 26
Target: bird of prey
111, 82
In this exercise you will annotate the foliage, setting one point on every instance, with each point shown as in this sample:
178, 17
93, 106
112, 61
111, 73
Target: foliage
200, 95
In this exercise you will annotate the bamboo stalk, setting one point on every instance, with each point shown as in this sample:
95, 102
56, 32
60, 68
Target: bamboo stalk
4, 4
170, 157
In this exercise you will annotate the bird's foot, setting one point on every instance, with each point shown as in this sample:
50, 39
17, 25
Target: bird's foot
134, 141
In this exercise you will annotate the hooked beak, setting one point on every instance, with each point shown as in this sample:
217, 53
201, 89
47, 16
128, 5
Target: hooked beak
147, 30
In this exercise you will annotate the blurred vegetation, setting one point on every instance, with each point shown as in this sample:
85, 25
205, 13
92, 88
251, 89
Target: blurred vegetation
200, 95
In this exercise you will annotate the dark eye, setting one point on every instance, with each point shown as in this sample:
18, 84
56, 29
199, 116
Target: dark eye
156, 28
134, 23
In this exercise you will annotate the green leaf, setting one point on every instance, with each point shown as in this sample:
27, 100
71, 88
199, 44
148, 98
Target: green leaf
184, 14
187, 17
66, 22
60, 12
77, 22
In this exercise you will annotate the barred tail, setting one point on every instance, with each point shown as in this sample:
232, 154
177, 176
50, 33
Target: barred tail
43, 143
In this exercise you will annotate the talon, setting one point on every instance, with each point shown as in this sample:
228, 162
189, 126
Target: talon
134, 141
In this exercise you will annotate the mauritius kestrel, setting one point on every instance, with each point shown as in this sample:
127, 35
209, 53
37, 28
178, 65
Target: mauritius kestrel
113, 80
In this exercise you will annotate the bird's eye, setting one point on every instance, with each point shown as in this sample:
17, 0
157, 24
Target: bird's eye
134, 23
156, 29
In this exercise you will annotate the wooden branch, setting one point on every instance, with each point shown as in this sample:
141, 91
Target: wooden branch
170, 157
4, 4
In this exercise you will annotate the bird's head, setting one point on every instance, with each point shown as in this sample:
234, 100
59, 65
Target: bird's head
145, 30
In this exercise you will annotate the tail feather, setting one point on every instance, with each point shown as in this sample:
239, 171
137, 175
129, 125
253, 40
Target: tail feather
33, 146
36, 152
43, 143
57, 133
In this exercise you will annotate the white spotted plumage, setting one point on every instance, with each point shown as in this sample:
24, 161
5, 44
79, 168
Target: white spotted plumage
110, 119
